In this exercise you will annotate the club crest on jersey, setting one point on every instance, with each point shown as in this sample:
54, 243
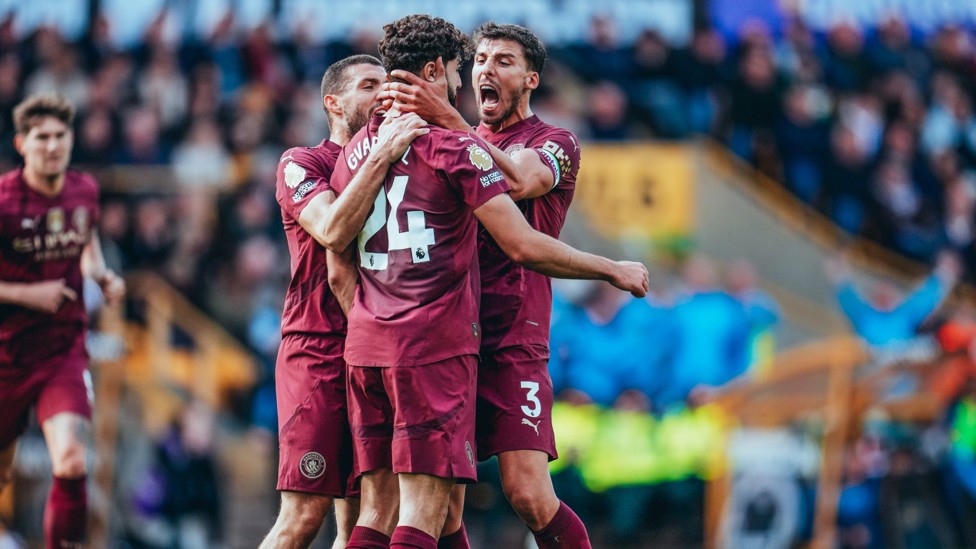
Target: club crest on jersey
80, 219
512, 149
294, 174
469, 452
55, 220
312, 465
479, 158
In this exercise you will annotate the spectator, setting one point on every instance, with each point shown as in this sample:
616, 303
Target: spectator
608, 343
762, 311
884, 318
711, 336
191, 501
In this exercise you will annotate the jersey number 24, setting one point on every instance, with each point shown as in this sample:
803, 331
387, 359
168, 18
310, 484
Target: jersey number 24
417, 238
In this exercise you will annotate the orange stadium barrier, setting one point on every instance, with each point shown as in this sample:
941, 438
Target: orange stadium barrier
834, 382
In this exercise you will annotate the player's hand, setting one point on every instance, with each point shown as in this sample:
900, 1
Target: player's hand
632, 277
47, 296
396, 134
411, 93
112, 285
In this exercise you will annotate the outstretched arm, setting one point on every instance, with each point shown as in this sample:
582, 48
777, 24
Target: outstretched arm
93, 266
525, 172
929, 296
335, 222
551, 257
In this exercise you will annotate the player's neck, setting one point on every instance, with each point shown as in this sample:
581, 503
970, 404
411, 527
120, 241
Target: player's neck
518, 115
46, 185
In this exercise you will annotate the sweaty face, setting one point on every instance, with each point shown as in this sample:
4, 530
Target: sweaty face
46, 148
359, 99
453, 69
499, 76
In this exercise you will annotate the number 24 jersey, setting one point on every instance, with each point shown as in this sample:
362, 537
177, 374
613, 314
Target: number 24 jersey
417, 301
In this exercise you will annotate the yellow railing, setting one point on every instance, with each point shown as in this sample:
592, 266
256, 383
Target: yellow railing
153, 367
214, 366
836, 382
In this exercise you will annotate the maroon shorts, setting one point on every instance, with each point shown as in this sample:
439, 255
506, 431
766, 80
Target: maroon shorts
55, 385
314, 443
515, 402
416, 419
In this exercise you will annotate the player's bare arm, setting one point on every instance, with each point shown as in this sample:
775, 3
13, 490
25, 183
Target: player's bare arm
551, 257
525, 172
93, 266
343, 275
336, 225
46, 296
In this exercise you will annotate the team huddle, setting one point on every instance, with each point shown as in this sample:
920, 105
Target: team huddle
437, 240
415, 328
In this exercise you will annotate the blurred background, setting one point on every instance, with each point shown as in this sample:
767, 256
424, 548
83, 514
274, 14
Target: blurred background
799, 175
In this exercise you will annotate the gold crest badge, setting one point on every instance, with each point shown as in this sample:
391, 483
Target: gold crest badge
55, 220
480, 158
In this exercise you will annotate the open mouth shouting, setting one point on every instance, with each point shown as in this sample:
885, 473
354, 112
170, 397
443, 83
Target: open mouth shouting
489, 98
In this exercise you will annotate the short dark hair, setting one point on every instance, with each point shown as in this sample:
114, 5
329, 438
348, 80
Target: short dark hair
29, 112
335, 78
411, 42
532, 47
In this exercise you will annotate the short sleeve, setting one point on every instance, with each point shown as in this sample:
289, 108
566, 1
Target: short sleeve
560, 150
298, 178
95, 202
470, 169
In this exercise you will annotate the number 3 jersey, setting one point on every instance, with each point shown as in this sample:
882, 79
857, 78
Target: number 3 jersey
417, 301
42, 238
516, 303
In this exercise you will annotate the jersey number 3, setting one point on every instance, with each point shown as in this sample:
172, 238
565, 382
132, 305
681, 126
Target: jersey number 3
417, 238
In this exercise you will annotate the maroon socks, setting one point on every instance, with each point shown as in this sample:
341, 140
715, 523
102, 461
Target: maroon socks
367, 538
408, 537
66, 513
457, 540
564, 531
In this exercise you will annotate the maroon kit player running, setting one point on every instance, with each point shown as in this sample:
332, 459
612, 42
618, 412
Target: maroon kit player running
47, 245
540, 161
414, 330
315, 458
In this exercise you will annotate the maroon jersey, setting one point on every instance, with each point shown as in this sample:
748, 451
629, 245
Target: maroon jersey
417, 301
310, 306
41, 238
516, 303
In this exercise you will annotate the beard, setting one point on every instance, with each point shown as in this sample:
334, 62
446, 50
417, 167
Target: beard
502, 115
358, 119
452, 96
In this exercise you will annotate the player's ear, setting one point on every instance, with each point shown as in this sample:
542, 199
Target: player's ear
331, 104
19, 143
429, 72
532, 80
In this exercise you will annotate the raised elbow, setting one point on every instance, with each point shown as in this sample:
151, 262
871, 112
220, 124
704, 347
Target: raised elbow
330, 236
332, 242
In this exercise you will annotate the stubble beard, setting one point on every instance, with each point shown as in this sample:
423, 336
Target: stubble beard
358, 120
452, 96
500, 118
